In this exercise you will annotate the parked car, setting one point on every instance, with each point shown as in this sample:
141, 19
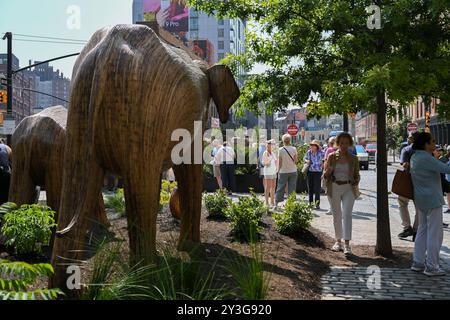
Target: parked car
371, 149
363, 157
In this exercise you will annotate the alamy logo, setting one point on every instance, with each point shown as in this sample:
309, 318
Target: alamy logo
74, 19
374, 20
374, 278
74, 280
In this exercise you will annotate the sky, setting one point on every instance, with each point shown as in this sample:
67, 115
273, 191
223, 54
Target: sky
50, 18
58, 19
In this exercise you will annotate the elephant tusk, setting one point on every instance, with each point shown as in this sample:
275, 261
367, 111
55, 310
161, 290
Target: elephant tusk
67, 229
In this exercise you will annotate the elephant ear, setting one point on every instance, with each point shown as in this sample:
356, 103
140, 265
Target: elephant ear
223, 88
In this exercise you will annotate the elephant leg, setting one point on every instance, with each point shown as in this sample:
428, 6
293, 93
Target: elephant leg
22, 188
142, 191
53, 193
190, 188
79, 199
100, 213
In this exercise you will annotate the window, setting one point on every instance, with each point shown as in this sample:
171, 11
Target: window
221, 55
221, 33
221, 45
194, 23
194, 34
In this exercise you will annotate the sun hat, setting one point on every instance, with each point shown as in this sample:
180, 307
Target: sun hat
315, 142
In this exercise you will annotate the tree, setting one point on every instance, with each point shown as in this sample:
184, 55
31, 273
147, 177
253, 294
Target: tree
392, 138
325, 47
396, 133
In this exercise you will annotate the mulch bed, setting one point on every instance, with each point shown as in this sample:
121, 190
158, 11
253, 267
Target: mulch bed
295, 266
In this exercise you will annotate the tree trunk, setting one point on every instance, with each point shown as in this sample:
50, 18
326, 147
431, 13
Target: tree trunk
384, 245
345, 121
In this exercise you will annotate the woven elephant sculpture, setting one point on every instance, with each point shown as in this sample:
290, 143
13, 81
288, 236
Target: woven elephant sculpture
38, 143
130, 91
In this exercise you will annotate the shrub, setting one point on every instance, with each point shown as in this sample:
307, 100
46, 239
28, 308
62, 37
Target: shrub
6, 208
166, 189
217, 203
246, 217
174, 277
116, 202
250, 279
17, 277
301, 151
28, 228
297, 216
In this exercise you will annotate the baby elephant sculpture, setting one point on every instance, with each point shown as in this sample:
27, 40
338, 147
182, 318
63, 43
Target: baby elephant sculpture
130, 91
38, 144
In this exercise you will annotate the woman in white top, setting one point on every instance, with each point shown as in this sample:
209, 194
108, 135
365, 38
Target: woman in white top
269, 160
342, 177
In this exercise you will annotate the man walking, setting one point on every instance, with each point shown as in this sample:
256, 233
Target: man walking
5, 171
287, 169
408, 230
225, 157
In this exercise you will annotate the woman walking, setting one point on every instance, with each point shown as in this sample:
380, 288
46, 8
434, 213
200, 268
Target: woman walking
269, 160
314, 159
426, 177
342, 177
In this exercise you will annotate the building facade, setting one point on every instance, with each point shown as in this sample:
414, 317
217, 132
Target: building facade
50, 83
365, 127
22, 98
207, 36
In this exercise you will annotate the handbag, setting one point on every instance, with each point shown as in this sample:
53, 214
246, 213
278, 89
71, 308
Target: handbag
402, 184
305, 168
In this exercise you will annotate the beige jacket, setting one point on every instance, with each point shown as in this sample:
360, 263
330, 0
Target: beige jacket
354, 173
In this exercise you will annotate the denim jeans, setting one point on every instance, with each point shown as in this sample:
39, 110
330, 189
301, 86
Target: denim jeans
283, 178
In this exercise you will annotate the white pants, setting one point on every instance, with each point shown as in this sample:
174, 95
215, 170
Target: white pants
404, 213
341, 203
429, 238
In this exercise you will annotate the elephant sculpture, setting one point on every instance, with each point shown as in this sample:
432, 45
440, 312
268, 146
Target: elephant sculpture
130, 91
38, 143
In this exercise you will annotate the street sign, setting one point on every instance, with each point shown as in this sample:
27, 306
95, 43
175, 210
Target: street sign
9, 126
412, 127
292, 129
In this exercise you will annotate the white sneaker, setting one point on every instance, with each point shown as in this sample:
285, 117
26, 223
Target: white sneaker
337, 247
329, 213
347, 250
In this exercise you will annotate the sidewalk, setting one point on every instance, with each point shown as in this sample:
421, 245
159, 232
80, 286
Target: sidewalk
394, 283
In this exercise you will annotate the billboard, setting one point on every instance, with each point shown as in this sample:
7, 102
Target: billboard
204, 49
172, 15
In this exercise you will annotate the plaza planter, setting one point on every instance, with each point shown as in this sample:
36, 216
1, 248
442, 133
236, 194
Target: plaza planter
302, 185
245, 182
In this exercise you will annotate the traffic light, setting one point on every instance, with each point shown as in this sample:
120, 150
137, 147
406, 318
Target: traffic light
3, 97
